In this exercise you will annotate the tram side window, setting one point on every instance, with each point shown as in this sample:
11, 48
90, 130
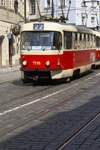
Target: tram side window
57, 41
88, 41
94, 40
84, 41
80, 40
91, 41
68, 40
75, 40
97, 41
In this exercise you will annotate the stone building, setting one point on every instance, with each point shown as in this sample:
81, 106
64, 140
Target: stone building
83, 12
11, 12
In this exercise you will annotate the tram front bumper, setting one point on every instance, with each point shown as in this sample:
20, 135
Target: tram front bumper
51, 73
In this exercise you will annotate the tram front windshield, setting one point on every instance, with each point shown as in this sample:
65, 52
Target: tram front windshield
41, 40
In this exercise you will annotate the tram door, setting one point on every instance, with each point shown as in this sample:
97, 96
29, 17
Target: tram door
0, 52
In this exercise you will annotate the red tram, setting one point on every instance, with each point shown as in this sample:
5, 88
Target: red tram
57, 50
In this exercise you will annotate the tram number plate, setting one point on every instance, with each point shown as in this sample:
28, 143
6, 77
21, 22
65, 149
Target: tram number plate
38, 26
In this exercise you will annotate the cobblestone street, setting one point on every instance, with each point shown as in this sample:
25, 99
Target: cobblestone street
44, 116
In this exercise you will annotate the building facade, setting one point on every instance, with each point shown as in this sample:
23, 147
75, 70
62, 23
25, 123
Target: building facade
81, 12
11, 12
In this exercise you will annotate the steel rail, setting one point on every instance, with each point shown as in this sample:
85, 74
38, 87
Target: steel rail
9, 81
20, 86
78, 132
9, 72
25, 95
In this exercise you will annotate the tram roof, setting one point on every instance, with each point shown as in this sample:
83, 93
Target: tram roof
49, 25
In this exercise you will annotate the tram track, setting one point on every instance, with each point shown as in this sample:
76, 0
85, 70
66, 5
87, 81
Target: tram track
79, 131
25, 95
26, 84
9, 81
20, 86
9, 72
50, 109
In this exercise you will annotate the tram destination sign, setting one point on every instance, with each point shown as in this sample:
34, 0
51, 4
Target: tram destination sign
38, 26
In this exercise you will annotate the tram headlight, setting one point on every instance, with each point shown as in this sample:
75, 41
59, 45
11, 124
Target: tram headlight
47, 63
24, 63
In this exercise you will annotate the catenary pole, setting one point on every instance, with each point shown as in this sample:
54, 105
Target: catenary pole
99, 13
52, 10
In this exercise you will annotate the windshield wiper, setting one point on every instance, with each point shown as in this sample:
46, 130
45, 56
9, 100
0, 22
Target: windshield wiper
43, 49
28, 49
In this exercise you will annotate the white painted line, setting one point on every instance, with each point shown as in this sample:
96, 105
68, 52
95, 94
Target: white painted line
97, 74
92, 77
37, 100
89, 78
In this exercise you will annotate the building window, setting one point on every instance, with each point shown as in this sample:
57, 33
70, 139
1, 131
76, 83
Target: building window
92, 21
16, 6
11, 4
83, 20
48, 3
63, 2
83, 3
3, 2
93, 3
33, 7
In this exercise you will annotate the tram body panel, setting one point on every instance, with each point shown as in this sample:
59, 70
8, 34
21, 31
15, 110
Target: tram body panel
83, 57
69, 61
39, 61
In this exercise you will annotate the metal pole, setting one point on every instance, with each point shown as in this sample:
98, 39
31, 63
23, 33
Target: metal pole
56, 8
99, 14
52, 10
11, 68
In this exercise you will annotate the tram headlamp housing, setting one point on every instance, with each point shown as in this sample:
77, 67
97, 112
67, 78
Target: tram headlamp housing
24, 63
47, 63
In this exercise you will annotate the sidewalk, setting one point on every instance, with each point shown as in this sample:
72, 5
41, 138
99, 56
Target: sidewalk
8, 69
